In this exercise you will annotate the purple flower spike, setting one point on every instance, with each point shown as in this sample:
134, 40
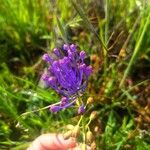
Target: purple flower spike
81, 109
67, 74
55, 108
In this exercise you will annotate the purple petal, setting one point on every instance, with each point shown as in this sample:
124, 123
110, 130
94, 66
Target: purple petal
73, 48
82, 67
68, 104
81, 109
45, 77
57, 52
88, 70
47, 58
64, 101
70, 54
82, 55
52, 81
66, 47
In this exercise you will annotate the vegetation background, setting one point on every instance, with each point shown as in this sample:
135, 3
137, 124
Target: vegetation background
116, 36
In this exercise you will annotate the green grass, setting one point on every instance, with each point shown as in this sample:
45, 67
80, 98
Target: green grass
115, 34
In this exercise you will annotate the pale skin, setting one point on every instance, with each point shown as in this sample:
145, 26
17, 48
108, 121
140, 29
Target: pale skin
54, 142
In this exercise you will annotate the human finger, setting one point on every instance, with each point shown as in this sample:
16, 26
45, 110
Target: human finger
52, 142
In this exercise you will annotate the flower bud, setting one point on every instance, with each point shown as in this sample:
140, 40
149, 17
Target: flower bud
82, 55
82, 67
93, 115
66, 47
64, 101
67, 135
52, 81
88, 70
69, 126
81, 109
45, 77
89, 137
57, 52
90, 100
76, 131
73, 47
55, 108
47, 58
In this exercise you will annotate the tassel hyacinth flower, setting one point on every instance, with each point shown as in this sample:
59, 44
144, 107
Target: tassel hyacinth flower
67, 74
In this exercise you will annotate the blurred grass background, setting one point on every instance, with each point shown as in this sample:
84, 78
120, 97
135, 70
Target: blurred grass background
115, 34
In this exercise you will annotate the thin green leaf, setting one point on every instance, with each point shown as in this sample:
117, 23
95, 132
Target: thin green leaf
87, 23
136, 51
62, 30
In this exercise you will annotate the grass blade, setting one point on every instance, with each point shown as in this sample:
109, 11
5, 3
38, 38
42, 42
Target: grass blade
62, 30
137, 48
88, 25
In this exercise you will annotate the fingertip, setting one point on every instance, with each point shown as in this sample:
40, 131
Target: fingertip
52, 141
56, 141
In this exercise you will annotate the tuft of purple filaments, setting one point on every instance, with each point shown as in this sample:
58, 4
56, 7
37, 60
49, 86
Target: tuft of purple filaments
67, 74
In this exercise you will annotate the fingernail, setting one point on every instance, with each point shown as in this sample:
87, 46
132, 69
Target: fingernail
70, 140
